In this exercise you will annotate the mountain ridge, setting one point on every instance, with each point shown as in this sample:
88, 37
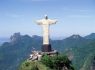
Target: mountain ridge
19, 49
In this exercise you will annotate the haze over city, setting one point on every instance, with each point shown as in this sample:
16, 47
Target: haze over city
74, 17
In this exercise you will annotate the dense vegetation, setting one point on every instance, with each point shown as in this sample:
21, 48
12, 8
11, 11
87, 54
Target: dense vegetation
59, 62
32, 65
80, 49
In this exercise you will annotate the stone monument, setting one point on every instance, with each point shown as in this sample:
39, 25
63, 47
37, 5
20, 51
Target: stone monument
46, 47
45, 23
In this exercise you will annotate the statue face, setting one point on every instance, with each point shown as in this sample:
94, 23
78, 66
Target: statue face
46, 17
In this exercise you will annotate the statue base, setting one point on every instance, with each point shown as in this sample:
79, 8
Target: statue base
46, 48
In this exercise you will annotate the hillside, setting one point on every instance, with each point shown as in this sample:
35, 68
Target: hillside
83, 56
18, 49
20, 46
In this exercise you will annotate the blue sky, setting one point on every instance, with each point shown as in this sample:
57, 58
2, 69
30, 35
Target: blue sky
74, 16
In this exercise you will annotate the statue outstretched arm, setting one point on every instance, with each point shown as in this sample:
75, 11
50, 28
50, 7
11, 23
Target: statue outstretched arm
52, 21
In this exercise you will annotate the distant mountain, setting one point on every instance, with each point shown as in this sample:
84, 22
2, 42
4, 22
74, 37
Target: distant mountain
74, 38
75, 41
91, 36
18, 49
72, 41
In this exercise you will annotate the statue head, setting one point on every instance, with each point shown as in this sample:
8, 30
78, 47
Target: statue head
46, 17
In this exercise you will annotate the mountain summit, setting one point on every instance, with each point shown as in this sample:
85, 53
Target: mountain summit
75, 37
15, 37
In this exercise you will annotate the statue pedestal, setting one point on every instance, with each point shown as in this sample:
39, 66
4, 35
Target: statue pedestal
46, 48
37, 55
52, 53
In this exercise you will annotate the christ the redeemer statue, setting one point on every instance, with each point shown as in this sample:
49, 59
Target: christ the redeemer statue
45, 23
